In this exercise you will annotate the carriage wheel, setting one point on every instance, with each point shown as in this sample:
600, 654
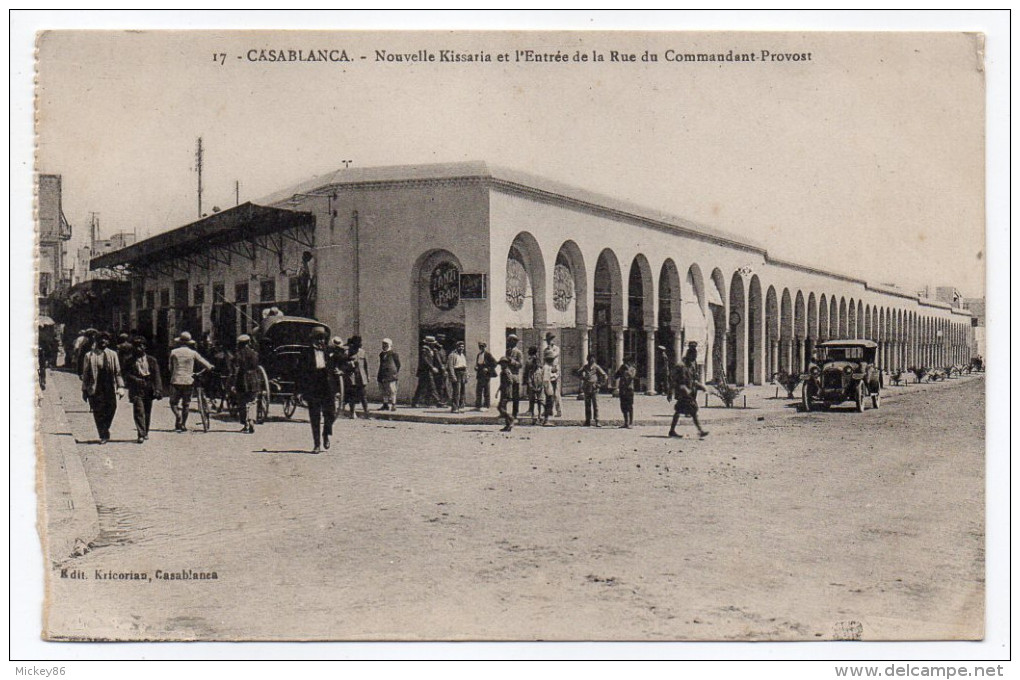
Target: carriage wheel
262, 400
289, 406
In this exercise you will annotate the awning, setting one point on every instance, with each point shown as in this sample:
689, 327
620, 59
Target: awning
242, 222
713, 295
692, 321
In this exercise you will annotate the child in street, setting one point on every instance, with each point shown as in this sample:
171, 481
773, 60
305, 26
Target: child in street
506, 381
592, 378
533, 383
625, 376
549, 377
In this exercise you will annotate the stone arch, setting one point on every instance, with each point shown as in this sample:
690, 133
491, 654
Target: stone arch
737, 357
771, 332
716, 298
799, 332
570, 285
823, 318
435, 283
525, 283
786, 331
693, 316
668, 332
755, 328
608, 310
833, 318
640, 319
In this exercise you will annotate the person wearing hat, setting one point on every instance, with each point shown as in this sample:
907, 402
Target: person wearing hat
592, 378
685, 389
443, 379
182, 378
318, 381
247, 383
144, 384
427, 373
506, 383
516, 357
101, 384
550, 379
356, 375
125, 349
551, 347
485, 371
389, 372
456, 365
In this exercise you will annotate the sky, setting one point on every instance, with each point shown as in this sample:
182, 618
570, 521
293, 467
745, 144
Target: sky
867, 159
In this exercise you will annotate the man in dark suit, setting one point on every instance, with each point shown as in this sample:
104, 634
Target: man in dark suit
102, 384
318, 382
144, 384
485, 371
427, 373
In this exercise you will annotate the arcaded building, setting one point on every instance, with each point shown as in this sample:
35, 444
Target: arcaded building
472, 251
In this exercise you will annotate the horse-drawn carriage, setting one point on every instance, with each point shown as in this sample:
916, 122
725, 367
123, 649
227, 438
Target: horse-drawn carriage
283, 343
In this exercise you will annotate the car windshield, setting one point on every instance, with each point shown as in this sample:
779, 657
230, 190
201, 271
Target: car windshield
840, 353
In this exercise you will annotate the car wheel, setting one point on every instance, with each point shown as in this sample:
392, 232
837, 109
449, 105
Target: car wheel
859, 398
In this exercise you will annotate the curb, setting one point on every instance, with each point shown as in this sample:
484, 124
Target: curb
68, 517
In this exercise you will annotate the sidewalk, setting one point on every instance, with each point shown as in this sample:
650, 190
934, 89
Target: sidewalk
754, 401
68, 517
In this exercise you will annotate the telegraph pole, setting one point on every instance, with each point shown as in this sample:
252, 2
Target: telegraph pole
198, 166
237, 192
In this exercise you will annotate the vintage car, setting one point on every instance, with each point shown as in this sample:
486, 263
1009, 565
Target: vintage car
842, 370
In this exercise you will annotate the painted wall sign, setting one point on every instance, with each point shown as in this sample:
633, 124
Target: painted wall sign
444, 286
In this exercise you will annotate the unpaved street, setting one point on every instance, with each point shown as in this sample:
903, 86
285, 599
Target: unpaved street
798, 526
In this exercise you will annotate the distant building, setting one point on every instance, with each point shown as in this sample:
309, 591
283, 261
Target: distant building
98, 247
54, 231
949, 295
976, 307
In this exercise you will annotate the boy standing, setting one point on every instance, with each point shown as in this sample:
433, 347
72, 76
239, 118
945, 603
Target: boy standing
592, 378
506, 383
625, 376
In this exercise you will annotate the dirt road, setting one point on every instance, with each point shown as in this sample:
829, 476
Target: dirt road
800, 526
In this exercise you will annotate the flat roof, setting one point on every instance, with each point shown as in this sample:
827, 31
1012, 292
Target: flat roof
243, 221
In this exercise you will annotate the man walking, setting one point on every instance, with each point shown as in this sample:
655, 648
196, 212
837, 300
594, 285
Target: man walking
516, 357
592, 378
685, 389
389, 370
552, 348
247, 384
428, 371
485, 370
182, 378
144, 384
356, 370
457, 367
319, 381
101, 384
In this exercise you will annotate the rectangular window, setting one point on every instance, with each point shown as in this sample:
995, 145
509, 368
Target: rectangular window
241, 293
150, 299
198, 294
164, 297
181, 293
268, 291
293, 288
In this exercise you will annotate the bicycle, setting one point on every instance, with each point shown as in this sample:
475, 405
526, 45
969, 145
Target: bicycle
201, 400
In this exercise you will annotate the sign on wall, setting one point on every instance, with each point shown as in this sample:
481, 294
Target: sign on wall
444, 286
474, 287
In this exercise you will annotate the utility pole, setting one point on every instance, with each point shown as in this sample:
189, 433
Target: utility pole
198, 167
93, 229
237, 192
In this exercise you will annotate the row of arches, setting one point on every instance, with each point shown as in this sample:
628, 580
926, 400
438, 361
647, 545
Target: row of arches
746, 328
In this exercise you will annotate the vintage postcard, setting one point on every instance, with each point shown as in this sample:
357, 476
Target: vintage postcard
473, 335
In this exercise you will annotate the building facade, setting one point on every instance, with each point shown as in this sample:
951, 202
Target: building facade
54, 232
473, 252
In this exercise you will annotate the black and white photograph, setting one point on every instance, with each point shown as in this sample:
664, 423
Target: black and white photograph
563, 336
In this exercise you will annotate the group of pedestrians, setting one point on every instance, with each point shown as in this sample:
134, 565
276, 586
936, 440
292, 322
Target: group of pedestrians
107, 374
